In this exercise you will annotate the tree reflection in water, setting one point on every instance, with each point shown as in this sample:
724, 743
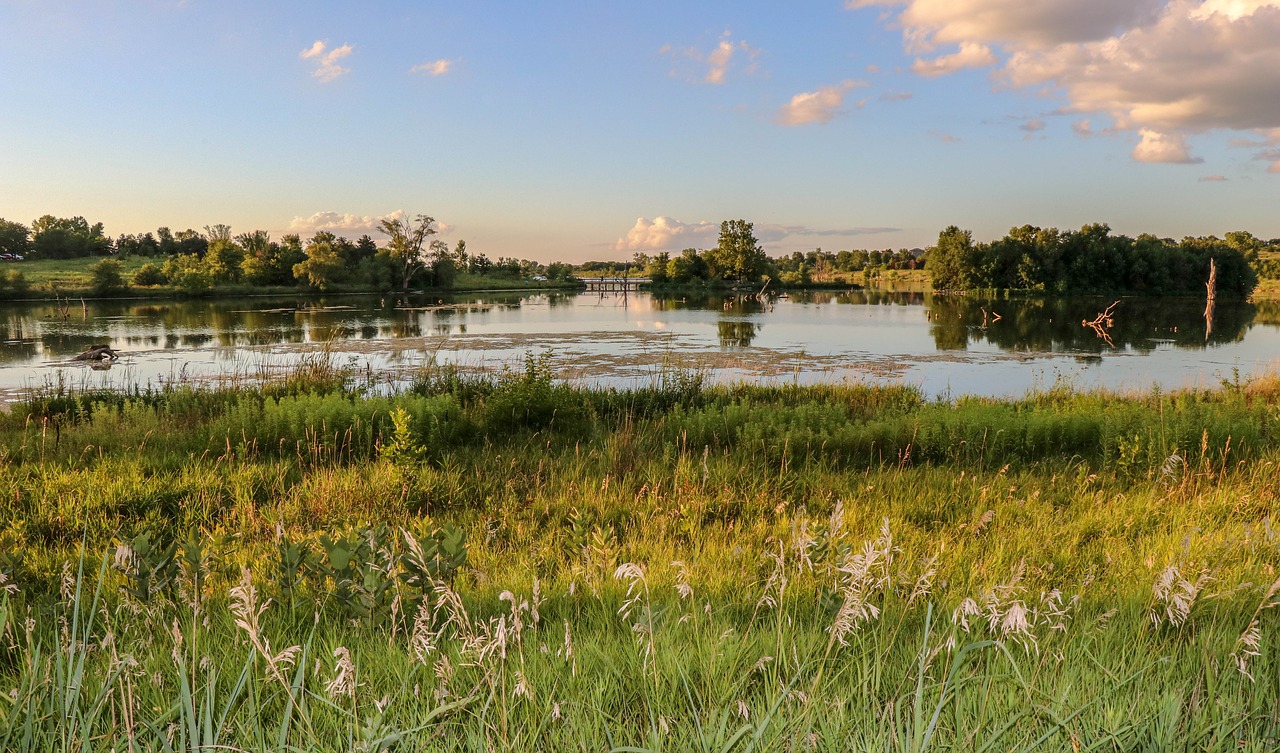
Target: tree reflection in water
1062, 325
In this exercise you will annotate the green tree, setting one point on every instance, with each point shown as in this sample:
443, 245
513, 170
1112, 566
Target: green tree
656, 269
224, 256
321, 267
188, 273
443, 269
951, 263
67, 238
407, 239
738, 256
15, 238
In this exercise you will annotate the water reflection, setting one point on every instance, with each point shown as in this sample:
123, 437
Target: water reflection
1063, 325
871, 329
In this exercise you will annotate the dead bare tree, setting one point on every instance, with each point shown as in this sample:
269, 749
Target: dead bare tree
1101, 323
1212, 287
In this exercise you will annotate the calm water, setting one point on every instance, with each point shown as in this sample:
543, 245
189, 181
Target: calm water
944, 344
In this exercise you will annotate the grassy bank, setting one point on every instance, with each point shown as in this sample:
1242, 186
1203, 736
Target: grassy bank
511, 563
73, 278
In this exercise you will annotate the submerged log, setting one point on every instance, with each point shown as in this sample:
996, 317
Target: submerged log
97, 353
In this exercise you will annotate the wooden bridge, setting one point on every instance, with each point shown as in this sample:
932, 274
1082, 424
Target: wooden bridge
614, 284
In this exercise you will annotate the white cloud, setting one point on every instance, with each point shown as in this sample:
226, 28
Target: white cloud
818, 106
1231, 9
1174, 68
326, 60
970, 55
348, 225
1034, 23
434, 68
664, 233
720, 60
1163, 147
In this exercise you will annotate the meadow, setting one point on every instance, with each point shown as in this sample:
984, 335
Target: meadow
507, 562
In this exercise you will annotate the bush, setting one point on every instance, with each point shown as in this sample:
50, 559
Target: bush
149, 275
107, 277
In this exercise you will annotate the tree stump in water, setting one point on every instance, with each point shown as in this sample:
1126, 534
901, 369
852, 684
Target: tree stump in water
97, 353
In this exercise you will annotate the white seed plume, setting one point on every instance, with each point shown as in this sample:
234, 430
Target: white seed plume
344, 677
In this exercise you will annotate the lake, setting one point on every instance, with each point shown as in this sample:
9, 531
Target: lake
946, 345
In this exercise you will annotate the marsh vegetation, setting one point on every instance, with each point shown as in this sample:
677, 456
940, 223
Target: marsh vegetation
509, 562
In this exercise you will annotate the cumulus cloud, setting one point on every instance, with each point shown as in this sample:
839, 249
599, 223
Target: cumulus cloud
1163, 147
348, 225
664, 233
970, 55
326, 60
434, 68
818, 106
1174, 68
720, 60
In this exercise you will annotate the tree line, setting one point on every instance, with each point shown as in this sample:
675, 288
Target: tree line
195, 262
738, 257
1092, 260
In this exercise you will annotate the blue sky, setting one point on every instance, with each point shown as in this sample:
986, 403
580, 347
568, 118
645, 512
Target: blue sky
575, 130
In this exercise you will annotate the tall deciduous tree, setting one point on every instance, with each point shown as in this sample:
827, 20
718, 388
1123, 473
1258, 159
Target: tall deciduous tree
15, 238
406, 245
950, 264
322, 266
738, 256
67, 238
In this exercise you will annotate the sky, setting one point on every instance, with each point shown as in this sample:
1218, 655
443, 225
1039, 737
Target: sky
567, 131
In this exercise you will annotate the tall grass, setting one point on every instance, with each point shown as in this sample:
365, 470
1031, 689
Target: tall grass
513, 563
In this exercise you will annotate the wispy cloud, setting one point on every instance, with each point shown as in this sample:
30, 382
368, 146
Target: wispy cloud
1213, 179
435, 67
714, 66
970, 55
892, 96
817, 106
326, 60
944, 137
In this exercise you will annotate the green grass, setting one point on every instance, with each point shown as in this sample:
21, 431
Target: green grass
68, 275
682, 567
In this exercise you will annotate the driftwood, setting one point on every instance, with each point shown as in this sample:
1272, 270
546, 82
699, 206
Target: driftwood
98, 353
1212, 287
1101, 323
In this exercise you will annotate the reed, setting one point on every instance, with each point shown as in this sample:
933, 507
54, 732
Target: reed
514, 563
